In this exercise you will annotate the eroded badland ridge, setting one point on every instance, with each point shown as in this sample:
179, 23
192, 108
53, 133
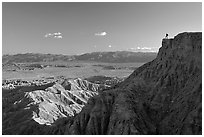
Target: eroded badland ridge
163, 96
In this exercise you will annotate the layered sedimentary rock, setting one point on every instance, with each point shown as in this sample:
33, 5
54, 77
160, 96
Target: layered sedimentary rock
163, 96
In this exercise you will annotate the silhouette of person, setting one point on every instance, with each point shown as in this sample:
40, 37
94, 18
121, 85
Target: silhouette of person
167, 36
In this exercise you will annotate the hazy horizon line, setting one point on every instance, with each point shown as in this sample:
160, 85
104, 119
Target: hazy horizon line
79, 53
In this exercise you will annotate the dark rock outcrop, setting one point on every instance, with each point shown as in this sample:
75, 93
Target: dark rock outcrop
163, 96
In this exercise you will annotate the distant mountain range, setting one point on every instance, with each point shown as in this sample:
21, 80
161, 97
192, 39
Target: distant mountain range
113, 57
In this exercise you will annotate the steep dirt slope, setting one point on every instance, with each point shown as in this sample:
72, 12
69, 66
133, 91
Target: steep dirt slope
163, 96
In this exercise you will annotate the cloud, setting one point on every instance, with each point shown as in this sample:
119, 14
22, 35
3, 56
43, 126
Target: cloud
48, 34
101, 33
144, 49
59, 37
57, 33
54, 35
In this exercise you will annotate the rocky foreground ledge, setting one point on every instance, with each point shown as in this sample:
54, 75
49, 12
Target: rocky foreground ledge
163, 96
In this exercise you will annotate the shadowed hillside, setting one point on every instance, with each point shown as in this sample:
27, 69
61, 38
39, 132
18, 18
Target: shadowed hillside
163, 96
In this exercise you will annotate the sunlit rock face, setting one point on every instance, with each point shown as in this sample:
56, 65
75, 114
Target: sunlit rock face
57, 101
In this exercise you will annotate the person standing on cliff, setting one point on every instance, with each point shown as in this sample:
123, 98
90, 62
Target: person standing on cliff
167, 36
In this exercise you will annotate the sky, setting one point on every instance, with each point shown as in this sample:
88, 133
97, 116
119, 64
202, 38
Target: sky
77, 28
